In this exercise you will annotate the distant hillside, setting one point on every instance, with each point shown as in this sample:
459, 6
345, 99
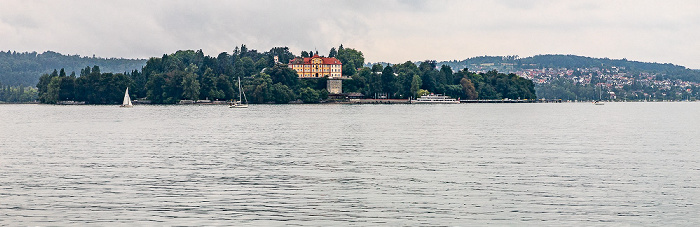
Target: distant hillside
25, 68
513, 63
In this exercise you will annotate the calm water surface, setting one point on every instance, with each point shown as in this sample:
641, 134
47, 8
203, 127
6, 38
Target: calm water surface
633, 164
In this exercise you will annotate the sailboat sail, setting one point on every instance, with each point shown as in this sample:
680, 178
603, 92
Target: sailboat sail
127, 99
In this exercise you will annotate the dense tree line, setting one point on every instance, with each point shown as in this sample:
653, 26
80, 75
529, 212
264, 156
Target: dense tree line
408, 80
92, 87
24, 69
190, 75
17, 94
216, 77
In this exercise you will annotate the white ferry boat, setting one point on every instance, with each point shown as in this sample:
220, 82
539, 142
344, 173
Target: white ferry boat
434, 99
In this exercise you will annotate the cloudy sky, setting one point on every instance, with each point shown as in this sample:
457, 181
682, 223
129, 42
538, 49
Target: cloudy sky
395, 31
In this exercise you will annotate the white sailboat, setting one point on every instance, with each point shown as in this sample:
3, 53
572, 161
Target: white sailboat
599, 102
127, 99
241, 97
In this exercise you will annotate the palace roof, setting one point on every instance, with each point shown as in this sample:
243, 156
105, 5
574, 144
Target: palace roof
307, 61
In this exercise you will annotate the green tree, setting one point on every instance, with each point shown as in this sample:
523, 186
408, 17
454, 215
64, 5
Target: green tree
374, 82
156, 93
308, 95
244, 67
429, 82
332, 53
349, 69
190, 86
422, 92
415, 85
445, 76
427, 65
66, 86
281, 93
406, 72
260, 89
377, 68
352, 59
359, 82
224, 85
207, 89
283, 74
260, 64
115, 86
283, 54
42, 88
53, 89
388, 81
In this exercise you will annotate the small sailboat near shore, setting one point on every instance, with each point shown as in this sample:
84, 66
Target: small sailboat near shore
599, 102
241, 97
127, 100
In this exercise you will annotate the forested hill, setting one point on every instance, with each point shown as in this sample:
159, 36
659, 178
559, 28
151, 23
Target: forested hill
24, 69
573, 61
513, 63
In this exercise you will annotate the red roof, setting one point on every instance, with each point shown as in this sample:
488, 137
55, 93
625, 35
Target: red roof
307, 61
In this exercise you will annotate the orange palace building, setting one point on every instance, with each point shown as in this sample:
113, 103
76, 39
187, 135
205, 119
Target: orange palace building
316, 67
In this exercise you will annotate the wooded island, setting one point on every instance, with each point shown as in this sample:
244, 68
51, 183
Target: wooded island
190, 75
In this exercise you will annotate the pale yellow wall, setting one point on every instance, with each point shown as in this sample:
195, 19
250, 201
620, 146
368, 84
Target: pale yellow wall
315, 67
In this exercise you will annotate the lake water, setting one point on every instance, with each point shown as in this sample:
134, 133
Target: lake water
629, 164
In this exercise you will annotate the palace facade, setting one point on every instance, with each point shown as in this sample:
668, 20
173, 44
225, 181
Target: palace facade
316, 66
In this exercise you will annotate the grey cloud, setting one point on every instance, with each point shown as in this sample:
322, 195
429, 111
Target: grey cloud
394, 31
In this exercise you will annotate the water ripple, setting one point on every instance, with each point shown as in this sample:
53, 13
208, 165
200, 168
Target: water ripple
325, 165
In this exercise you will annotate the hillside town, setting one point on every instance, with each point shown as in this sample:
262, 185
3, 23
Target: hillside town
618, 83
591, 83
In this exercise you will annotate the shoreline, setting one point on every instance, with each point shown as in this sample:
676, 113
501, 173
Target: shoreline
355, 102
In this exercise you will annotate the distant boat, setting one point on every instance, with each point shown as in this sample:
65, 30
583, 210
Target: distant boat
435, 99
599, 102
127, 99
241, 97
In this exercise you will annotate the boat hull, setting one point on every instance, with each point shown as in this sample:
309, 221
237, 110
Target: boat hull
435, 99
434, 102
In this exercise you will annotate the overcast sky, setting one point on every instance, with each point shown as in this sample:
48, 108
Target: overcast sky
665, 31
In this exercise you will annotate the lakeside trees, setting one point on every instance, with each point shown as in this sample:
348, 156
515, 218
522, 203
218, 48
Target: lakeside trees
262, 79
17, 94
189, 74
217, 75
408, 79
92, 87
